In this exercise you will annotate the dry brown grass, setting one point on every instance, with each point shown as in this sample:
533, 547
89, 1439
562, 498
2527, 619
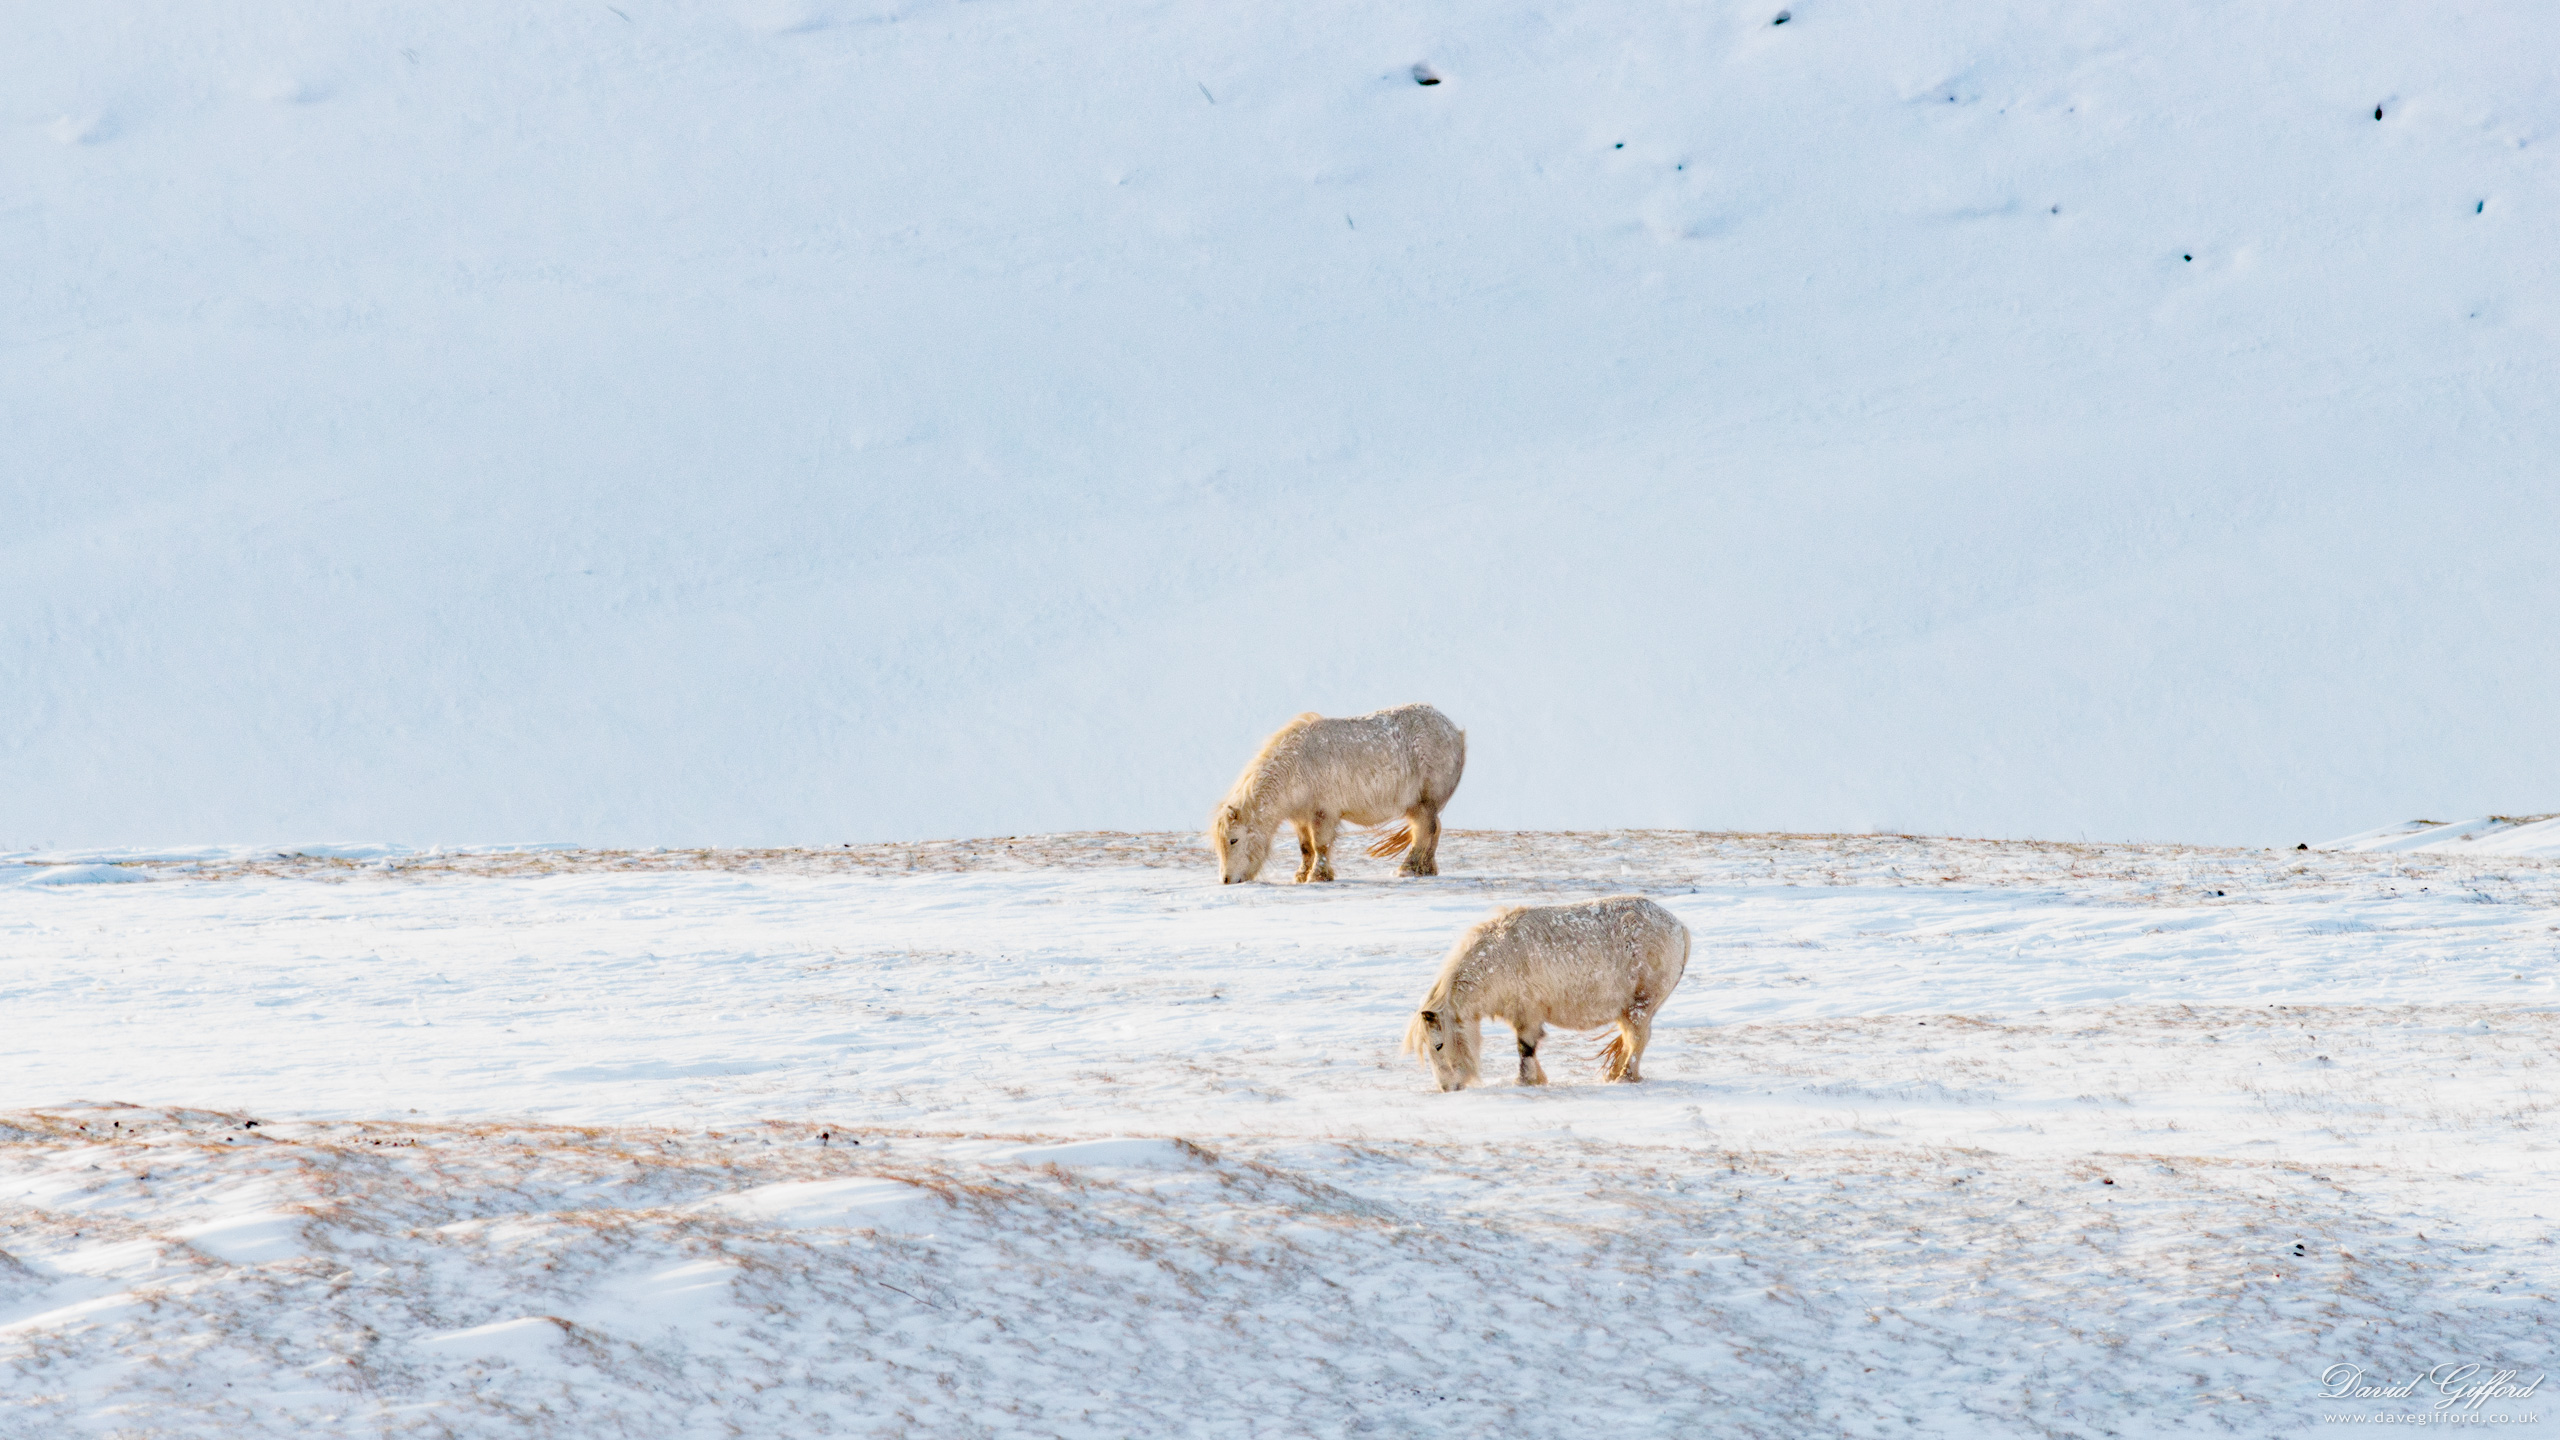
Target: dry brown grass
1572, 862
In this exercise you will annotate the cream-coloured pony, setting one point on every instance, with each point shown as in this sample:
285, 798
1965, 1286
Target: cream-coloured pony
1315, 773
1601, 962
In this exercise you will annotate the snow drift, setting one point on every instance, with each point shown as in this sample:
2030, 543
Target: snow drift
1945, 1138
2518, 836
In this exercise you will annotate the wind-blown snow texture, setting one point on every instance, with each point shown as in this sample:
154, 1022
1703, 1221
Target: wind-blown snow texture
811, 420
1058, 1136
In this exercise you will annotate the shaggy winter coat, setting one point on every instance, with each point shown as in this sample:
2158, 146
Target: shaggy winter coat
1578, 967
1315, 773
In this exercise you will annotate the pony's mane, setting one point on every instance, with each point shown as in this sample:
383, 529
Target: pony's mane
1247, 795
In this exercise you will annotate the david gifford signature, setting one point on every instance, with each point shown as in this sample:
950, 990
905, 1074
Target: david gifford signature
2459, 1386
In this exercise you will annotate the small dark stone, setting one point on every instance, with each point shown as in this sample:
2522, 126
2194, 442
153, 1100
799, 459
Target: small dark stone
2303, 846
2377, 112
2187, 257
1783, 17
1425, 75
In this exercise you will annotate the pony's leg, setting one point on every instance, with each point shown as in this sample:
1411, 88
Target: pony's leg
1424, 857
1635, 1029
1328, 824
1529, 1035
1306, 850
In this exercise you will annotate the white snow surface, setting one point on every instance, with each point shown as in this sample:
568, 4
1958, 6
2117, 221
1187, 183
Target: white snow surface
1057, 1136
799, 421
2510, 835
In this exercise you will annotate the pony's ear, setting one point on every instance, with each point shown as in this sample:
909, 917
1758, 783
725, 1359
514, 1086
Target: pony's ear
1230, 813
1430, 1017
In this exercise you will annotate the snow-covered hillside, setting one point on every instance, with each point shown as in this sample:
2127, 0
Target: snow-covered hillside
1058, 1136
2517, 836
818, 420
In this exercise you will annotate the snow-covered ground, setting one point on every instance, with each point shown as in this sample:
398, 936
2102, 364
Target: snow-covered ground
1055, 1135
2488, 835
801, 421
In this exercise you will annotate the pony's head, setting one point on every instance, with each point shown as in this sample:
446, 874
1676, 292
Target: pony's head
1447, 1044
1241, 848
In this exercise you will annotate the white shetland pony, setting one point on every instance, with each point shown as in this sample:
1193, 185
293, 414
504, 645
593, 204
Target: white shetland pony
1315, 773
1601, 962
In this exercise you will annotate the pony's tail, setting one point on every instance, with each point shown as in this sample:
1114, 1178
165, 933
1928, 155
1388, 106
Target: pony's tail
1613, 1057
1396, 843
